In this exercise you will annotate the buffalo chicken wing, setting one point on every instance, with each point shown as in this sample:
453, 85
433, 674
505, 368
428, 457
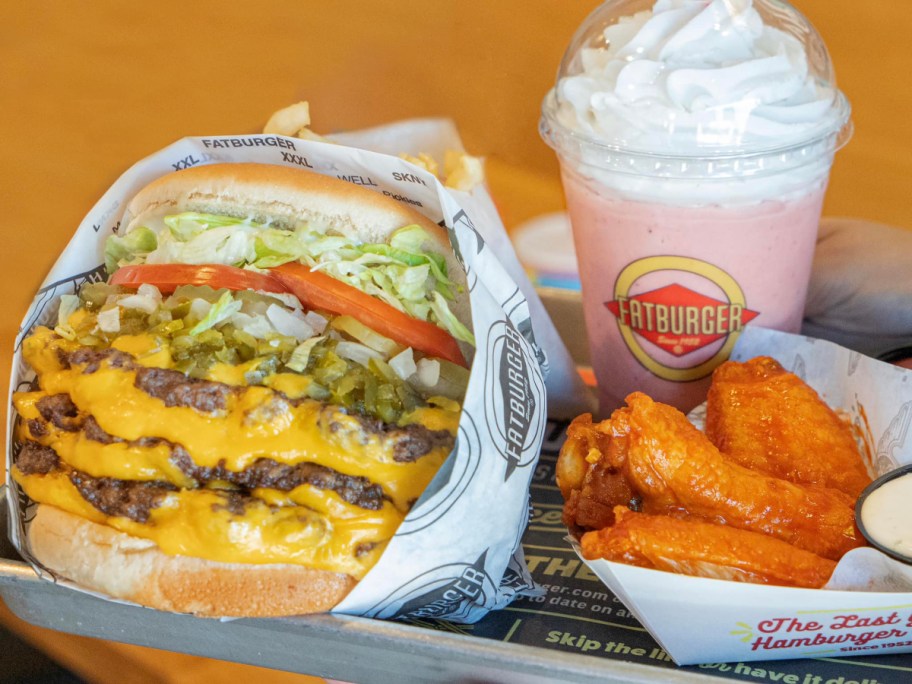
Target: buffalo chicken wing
769, 420
706, 550
669, 467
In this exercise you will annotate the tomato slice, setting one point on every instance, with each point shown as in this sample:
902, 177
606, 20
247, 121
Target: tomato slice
168, 277
320, 291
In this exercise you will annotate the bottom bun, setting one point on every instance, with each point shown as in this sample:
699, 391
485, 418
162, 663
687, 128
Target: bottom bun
102, 559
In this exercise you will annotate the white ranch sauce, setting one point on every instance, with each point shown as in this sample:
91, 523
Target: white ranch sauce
887, 515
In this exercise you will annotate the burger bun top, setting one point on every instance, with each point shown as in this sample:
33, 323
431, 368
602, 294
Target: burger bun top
285, 196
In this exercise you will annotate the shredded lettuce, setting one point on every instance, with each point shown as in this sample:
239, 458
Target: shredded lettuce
68, 305
196, 238
403, 276
222, 310
127, 248
401, 273
448, 318
187, 225
301, 355
275, 247
230, 245
409, 240
410, 283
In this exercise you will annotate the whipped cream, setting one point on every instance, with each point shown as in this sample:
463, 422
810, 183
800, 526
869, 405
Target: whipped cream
696, 76
703, 95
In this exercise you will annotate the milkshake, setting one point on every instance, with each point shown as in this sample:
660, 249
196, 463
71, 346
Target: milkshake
695, 139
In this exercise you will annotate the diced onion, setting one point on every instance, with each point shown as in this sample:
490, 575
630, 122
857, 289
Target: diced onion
428, 372
286, 298
199, 308
142, 302
258, 327
66, 332
109, 320
357, 352
451, 383
404, 364
316, 321
147, 290
356, 329
287, 323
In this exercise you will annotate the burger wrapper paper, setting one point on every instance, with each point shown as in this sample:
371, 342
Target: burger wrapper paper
865, 609
457, 554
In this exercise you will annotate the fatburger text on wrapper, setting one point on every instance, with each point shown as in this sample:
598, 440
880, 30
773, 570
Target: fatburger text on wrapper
266, 527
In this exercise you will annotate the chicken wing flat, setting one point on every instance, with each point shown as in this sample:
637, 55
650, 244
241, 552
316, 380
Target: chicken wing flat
704, 549
671, 468
769, 420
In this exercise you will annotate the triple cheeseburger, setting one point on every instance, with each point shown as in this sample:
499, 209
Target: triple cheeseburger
236, 423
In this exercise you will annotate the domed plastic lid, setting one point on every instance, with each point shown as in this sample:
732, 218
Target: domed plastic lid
749, 80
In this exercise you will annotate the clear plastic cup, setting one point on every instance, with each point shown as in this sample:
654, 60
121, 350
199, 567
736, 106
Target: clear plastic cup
695, 140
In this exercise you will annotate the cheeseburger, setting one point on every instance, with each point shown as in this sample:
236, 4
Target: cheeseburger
238, 420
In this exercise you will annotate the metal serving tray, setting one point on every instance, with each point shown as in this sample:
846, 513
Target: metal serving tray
349, 648
576, 632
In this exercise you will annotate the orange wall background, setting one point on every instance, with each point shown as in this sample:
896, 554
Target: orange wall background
88, 88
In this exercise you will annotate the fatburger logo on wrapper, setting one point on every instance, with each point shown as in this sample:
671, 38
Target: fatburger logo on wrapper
445, 560
677, 319
446, 592
514, 399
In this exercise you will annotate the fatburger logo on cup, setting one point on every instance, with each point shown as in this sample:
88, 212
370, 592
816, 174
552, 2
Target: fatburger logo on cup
677, 319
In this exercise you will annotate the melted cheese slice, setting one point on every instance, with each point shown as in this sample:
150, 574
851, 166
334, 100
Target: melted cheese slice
120, 460
257, 423
148, 350
328, 534
306, 526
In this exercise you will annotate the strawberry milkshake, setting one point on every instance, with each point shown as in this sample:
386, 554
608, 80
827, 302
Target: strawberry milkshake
695, 139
